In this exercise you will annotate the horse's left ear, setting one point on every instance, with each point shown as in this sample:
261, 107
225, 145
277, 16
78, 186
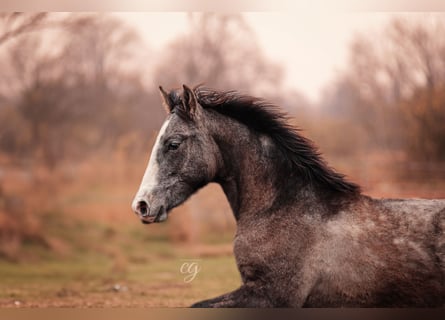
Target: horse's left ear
166, 101
189, 101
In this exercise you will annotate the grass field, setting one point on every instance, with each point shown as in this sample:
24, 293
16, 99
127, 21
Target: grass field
83, 247
152, 279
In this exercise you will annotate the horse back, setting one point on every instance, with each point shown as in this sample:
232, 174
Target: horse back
418, 221
383, 252
418, 241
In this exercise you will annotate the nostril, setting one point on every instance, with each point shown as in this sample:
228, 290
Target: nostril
142, 208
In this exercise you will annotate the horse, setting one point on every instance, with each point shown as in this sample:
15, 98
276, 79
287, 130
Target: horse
305, 235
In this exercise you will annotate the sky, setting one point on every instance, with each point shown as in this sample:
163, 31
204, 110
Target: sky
311, 46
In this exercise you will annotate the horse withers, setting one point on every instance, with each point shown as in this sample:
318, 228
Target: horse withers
306, 237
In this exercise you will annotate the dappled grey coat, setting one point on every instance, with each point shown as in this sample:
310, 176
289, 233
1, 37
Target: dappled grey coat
305, 235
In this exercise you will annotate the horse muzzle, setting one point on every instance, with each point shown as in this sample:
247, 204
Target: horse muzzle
149, 213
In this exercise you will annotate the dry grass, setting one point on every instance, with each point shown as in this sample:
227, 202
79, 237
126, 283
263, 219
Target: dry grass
93, 281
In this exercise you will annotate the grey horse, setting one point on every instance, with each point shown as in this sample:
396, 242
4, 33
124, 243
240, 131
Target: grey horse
306, 236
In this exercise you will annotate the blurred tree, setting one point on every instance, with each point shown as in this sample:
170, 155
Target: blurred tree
219, 50
394, 87
424, 106
101, 57
16, 23
77, 88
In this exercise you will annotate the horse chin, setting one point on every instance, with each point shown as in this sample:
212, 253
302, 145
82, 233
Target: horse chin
162, 215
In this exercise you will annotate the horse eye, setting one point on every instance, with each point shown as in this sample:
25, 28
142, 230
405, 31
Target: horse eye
173, 145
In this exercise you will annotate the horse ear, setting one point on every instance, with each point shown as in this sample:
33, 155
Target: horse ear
166, 101
189, 101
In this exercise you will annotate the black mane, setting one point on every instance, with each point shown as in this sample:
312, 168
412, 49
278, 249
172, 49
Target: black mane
267, 118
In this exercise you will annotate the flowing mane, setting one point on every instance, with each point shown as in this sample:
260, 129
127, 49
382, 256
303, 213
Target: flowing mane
267, 118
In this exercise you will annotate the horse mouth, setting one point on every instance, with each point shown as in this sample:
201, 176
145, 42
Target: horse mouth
160, 216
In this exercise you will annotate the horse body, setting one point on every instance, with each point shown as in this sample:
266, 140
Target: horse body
370, 254
305, 235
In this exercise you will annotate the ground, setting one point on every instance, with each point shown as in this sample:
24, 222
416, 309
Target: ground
153, 280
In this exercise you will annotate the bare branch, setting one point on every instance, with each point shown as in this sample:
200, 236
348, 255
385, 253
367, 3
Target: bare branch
27, 24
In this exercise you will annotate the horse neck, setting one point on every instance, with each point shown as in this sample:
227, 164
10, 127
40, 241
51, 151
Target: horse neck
253, 175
